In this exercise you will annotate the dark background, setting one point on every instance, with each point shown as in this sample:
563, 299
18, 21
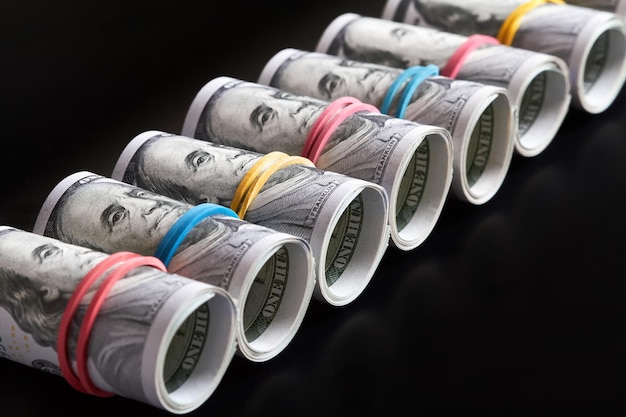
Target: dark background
513, 308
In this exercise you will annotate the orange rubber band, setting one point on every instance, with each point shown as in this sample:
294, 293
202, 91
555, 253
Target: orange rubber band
456, 61
512, 22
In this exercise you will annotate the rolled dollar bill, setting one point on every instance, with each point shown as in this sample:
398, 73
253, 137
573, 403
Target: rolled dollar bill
269, 274
614, 6
538, 83
412, 162
479, 117
343, 218
158, 338
592, 42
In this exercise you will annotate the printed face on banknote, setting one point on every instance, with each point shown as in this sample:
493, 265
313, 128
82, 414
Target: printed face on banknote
252, 113
37, 277
330, 77
114, 215
193, 170
396, 44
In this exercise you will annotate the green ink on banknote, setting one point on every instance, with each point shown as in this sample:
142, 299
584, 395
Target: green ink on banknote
186, 348
344, 240
412, 186
479, 146
596, 61
266, 295
532, 102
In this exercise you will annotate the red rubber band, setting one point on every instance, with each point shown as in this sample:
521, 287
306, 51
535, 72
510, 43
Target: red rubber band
454, 64
335, 114
92, 313
72, 306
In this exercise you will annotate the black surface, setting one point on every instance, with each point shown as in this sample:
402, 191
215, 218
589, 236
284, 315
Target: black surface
513, 308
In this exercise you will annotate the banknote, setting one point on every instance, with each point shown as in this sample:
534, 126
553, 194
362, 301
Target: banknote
538, 82
480, 118
269, 274
592, 42
159, 338
411, 161
613, 6
343, 218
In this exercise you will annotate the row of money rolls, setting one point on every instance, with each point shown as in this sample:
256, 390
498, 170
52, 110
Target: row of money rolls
212, 243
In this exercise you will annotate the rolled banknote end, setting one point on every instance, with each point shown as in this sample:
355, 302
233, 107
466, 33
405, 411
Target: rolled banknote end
274, 297
598, 62
354, 241
483, 145
205, 316
540, 91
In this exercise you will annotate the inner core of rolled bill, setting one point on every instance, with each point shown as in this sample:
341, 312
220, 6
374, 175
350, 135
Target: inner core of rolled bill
157, 338
411, 161
269, 274
479, 117
343, 218
538, 83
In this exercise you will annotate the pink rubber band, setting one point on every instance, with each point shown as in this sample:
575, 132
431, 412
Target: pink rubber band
70, 310
454, 64
92, 313
321, 121
328, 121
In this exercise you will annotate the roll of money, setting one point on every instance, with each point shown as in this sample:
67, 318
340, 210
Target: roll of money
268, 274
412, 162
614, 6
158, 338
592, 42
344, 219
479, 117
538, 83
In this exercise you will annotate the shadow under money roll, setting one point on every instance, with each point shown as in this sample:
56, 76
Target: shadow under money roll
268, 274
343, 218
412, 162
155, 337
479, 117
538, 83
592, 42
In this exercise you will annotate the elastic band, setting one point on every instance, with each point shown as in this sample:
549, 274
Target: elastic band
473, 42
92, 312
334, 114
250, 177
512, 22
258, 175
179, 230
415, 74
70, 310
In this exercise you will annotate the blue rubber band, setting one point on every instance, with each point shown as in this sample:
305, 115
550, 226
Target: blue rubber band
172, 239
417, 75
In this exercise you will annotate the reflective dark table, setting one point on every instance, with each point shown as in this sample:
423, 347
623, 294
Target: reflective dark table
512, 308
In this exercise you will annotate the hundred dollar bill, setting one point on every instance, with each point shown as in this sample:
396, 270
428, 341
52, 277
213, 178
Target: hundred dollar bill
538, 83
592, 42
479, 117
412, 162
614, 6
269, 274
343, 218
159, 338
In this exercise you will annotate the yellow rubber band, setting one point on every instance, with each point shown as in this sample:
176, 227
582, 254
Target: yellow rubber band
512, 22
248, 180
257, 176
